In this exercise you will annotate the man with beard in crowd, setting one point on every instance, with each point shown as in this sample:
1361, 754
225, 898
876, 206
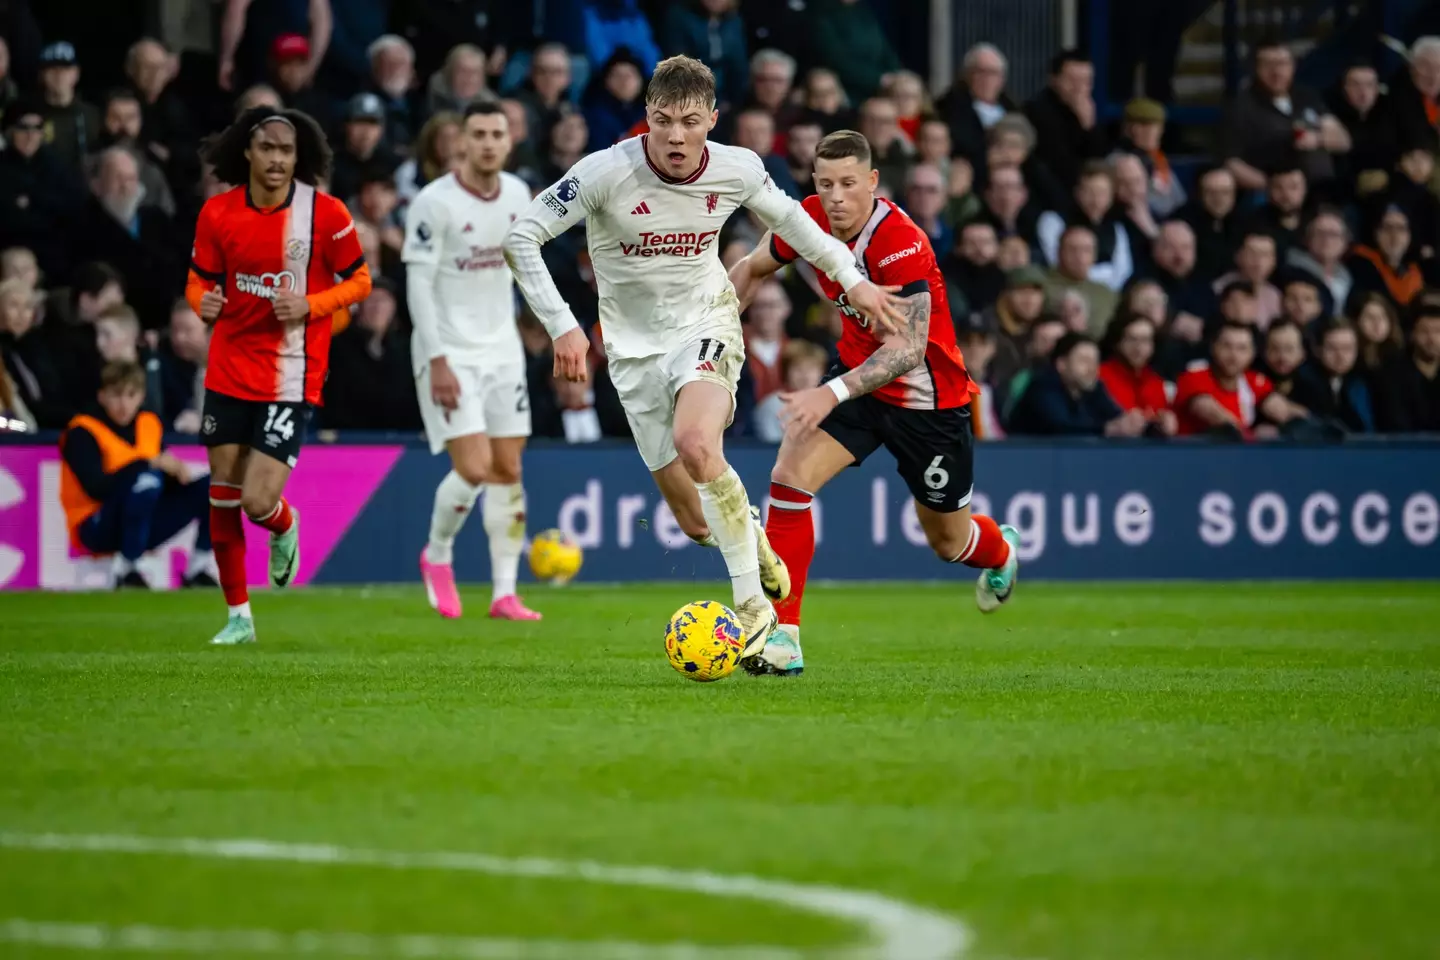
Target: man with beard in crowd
121, 127
138, 241
1284, 210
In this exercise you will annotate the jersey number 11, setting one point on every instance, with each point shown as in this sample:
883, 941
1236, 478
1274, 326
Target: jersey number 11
705, 348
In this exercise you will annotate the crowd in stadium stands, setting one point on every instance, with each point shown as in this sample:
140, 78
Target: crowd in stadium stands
1292, 289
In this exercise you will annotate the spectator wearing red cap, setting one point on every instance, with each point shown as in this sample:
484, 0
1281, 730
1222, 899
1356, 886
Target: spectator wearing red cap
293, 74
248, 29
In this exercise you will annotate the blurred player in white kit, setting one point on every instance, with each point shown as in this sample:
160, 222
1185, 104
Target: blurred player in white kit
469, 361
654, 206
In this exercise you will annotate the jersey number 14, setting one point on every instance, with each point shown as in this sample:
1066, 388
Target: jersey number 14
279, 421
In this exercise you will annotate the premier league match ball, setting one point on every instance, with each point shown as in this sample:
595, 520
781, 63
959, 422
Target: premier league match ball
554, 557
703, 641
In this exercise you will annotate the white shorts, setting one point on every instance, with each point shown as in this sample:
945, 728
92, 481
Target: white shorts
648, 387
493, 401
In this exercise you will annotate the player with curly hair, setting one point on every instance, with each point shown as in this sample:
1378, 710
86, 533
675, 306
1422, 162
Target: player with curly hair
263, 275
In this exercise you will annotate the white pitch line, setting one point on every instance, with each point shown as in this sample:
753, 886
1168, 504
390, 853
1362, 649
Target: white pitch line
897, 930
148, 939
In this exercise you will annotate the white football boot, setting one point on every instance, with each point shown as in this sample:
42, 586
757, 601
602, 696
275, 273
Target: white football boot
758, 619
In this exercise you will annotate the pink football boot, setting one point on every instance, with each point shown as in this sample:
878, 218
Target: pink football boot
440, 586
510, 608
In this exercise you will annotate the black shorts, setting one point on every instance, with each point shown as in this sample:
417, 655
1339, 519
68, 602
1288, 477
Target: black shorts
934, 450
275, 429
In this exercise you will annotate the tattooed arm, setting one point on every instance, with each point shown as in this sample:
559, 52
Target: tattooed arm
900, 353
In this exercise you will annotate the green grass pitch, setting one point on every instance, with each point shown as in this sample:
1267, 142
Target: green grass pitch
1097, 771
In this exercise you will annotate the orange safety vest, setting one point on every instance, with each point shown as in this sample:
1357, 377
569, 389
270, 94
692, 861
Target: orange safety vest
116, 454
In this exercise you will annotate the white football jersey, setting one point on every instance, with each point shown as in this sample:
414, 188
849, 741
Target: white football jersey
655, 244
461, 234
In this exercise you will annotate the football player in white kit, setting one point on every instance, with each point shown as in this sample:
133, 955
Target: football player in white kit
469, 362
654, 206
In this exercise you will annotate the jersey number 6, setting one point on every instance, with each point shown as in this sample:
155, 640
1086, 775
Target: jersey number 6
935, 476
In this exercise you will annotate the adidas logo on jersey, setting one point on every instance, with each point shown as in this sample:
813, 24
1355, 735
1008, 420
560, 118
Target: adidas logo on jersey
642, 209
468, 229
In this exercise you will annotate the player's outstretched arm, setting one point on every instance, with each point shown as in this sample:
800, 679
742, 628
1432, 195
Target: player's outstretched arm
899, 354
752, 268
786, 217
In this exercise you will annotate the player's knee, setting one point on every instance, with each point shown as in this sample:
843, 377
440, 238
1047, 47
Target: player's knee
698, 452
257, 504
502, 472
475, 470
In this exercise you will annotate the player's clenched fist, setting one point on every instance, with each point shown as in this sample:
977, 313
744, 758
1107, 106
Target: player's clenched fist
210, 304
290, 306
570, 350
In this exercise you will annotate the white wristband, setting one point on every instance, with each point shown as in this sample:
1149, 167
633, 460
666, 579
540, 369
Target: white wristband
837, 387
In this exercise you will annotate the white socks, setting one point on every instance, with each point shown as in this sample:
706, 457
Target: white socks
727, 511
454, 499
241, 610
504, 516
503, 513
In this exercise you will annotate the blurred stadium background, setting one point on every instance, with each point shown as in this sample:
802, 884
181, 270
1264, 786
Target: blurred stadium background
1102, 770
982, 136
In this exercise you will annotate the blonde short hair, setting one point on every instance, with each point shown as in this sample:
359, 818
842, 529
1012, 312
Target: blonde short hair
680, 80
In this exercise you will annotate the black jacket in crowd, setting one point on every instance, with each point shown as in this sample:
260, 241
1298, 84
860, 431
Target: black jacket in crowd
1061, 143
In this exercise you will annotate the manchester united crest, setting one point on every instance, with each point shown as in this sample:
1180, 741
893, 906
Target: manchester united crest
711, 199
